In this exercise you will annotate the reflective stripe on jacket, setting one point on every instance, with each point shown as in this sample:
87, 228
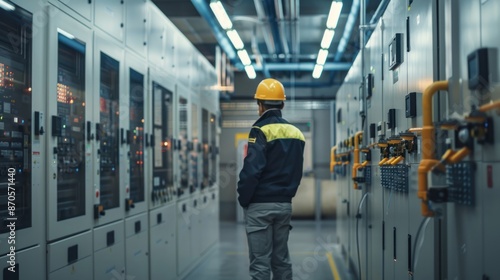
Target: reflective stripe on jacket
272, 169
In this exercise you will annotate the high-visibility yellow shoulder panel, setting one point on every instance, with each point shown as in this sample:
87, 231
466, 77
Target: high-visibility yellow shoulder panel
281, 131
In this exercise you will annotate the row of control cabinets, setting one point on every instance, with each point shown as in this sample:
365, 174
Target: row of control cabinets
417, 145
109, 160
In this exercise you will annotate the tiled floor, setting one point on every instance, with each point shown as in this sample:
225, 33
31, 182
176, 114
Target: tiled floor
312, 249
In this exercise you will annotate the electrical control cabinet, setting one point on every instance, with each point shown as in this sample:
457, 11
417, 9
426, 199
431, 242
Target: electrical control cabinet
425, 224
136, 26
22, 135
28, 265
205, 130
70, 258
186, 214
163, 243
110, 149
70, 135
136, 246
214, 150
93, 121
82, 10
136, 196
109, 251
109, 16
161, 142
183, 143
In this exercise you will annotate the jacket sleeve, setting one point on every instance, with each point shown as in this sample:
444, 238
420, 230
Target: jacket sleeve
254, 163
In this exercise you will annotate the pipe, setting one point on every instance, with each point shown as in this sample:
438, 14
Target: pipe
383, 161
349, 26
333, 160
261, 14
397, 160
203, 8
271, 16
380, 11
415, 130
303, 66
356, 165
278, 6
428, 145
490, 106
458, 155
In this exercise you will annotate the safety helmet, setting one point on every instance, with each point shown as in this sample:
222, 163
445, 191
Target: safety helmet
270, 91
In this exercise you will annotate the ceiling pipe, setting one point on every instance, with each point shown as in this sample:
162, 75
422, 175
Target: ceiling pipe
259, 60
204, 9
280, 20
349, 26
271, 17
296, 29
376, 17
304, 66
266, 29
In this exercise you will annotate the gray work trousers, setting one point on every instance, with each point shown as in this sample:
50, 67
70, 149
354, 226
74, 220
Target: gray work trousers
267, 227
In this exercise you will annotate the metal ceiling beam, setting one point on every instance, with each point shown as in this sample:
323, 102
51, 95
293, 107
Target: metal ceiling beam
304, 66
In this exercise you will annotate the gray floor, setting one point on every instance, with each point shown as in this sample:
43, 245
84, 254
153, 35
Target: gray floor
310, 244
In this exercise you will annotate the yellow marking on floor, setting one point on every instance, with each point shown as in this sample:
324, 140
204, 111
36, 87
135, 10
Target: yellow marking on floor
331, 262
333, 267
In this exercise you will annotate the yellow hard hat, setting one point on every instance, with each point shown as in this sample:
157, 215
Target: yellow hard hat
270, 90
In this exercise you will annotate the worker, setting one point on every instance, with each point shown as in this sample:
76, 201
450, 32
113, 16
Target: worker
268, 181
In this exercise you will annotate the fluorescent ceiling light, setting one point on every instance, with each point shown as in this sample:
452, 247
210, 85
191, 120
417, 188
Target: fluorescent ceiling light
327, 38
322, 55
221, 15
66, 34
334, 14
235, 39
318, 69
245, 59
250, 72
7, 6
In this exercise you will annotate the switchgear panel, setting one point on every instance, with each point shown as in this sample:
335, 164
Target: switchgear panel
135, 138
71, 141
15, 117
183, 147
204, 135
108, 132
162, 143
195, 149
214, 149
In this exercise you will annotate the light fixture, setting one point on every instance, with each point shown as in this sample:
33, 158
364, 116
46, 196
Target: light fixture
318, 69
327, 38
245, 59
7, 6
322, 55
250, 72
65, 33
334, 14
235, 39
221, 15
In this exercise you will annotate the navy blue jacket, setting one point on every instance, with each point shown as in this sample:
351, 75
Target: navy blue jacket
272, 169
